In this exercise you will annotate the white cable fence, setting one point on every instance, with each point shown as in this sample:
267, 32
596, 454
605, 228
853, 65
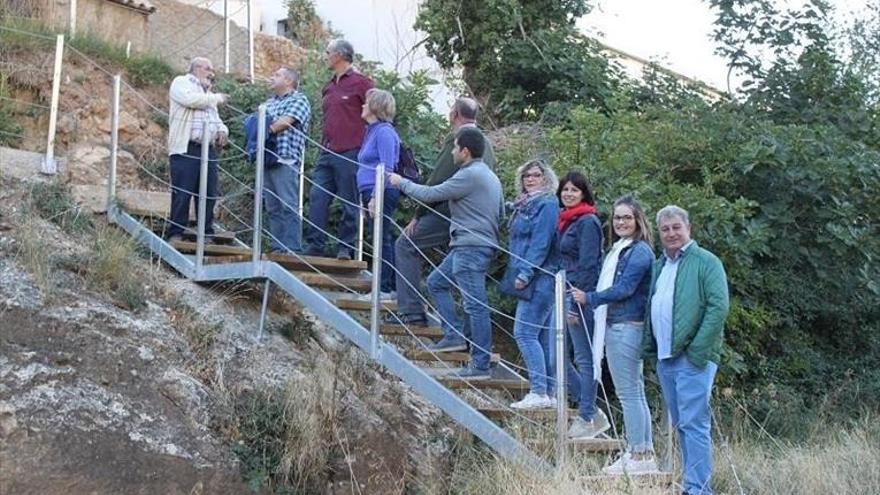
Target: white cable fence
258, 231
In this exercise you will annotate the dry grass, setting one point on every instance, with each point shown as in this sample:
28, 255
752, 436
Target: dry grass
32, 252
114, 268
844, 461
284, 438
834, 459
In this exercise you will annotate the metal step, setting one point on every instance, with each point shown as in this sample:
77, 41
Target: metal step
301, 262
607, 482
590, 445
413, 330
361, 305
289, 261
448, 357
512, 385
499, 413
334, 282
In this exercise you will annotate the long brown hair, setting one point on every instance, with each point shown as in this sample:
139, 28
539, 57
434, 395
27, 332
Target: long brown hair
643, 226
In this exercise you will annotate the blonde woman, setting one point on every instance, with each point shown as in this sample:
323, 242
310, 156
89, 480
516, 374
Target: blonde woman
529, 277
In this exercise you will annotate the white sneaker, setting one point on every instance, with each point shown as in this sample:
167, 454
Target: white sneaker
581, 429
532, 401
553, 403
627, 465
383, 296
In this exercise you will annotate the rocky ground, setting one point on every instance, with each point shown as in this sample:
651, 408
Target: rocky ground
177, 396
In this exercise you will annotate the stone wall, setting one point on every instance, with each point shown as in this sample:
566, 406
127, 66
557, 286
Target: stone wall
180, 32
176, 32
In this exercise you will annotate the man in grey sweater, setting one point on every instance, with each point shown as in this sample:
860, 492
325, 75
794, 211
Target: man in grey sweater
475, 202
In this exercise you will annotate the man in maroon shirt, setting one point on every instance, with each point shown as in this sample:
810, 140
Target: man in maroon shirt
343, 131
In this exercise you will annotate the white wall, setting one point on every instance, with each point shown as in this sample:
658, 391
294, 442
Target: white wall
237, 9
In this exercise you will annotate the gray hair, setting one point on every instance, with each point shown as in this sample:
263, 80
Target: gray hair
343, 48
670, 211
550, 181
198, 62
291, 74
466, 107
381, 104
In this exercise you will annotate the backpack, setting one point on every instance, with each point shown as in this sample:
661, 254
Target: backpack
406, 164
270, 156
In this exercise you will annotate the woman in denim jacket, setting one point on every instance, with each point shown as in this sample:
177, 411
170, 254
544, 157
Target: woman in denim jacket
619, 302
580, 247
533, 261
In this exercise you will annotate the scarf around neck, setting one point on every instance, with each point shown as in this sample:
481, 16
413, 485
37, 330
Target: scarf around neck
567, 215
600, 314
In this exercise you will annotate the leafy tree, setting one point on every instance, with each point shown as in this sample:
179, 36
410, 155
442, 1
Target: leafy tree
518, 56
304, 24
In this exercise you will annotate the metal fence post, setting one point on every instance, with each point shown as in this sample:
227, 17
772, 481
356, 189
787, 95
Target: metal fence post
226, 36
258, 185
203, 197
114, 141
301, 209
250, 23
49, 166
378, 212
72, 21
359, 254
561, 401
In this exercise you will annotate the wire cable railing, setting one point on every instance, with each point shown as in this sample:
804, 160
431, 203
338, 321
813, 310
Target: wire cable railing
360, 208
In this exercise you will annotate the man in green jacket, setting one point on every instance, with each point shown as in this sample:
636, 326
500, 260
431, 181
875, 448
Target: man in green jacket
429, 228
683, 332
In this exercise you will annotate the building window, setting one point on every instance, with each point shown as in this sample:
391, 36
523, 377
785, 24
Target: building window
283, 29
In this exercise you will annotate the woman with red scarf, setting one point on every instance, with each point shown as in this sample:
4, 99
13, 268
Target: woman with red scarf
580, 244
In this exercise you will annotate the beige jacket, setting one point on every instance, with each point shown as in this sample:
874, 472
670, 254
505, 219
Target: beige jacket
187, 97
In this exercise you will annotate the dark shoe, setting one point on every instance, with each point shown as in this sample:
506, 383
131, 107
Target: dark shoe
448, 344
414, 320
344, 254
310, 251
468, 373
5, 226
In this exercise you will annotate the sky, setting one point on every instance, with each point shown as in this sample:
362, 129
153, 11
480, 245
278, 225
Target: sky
675, 33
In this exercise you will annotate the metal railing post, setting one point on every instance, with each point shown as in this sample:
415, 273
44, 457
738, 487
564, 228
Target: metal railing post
561, 401
258, 185
301, 209
266, 288
378, 211
72, 21
359, 254
114, 141
49, 166
226, 36
250, 23
203, 197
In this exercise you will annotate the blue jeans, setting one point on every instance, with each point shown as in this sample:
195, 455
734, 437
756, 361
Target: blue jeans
686, 391
623, 345
185, 171
336, 175
389, 204
534, 332
465, 267
581, 384
282, 200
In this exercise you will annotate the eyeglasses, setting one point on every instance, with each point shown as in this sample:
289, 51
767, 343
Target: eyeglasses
624, 218
533, 175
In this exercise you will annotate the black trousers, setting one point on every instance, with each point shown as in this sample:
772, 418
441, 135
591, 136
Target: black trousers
185, 187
